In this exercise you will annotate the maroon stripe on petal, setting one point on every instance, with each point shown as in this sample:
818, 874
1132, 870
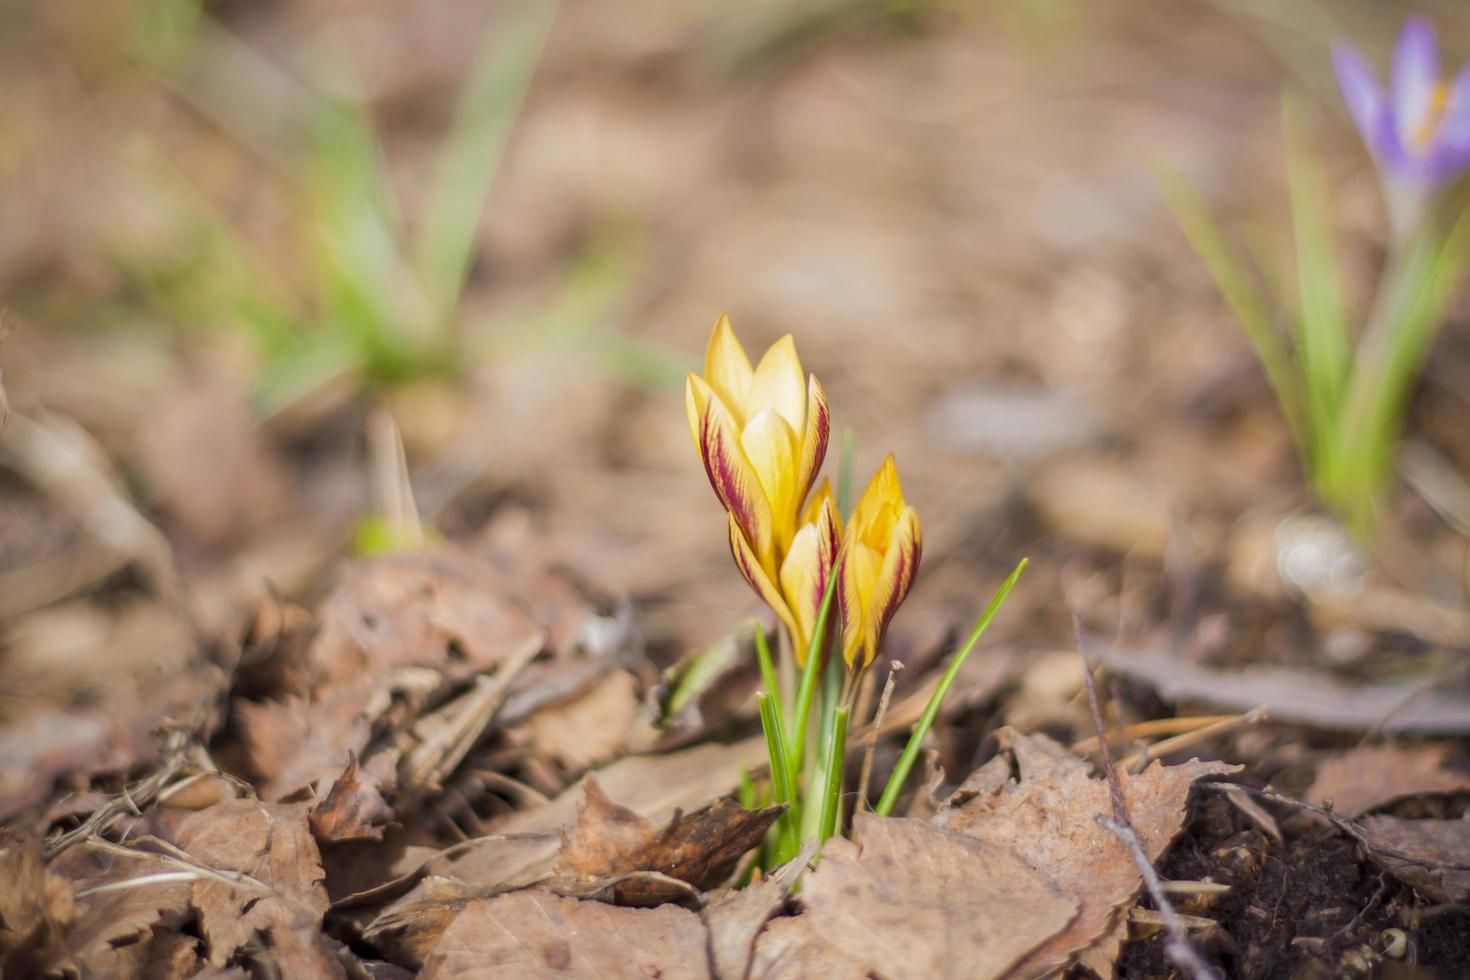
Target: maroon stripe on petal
722, 470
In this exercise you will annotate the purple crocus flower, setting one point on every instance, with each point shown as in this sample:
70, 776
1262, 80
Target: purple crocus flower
1419, 130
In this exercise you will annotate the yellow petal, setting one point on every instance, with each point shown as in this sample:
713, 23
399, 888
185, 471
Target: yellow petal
858, 569
779, 384
879, 506
750, 568
727, 369
893, 580
823, 499
770, 445
735, 481
805, 571
697, 395
813, 436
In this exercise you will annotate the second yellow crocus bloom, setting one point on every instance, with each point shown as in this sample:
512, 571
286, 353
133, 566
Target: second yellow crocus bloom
880, 556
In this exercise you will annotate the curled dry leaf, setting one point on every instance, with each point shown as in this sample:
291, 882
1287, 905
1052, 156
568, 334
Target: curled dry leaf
702, 848
353, 810
1440, 849
532, 935
908, 899
1048, 819
271, 844
1373, 776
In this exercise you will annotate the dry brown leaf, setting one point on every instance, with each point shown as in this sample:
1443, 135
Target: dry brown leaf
1373, 776
734, 921
295, 743
35, 906
271, 844
525, 849
533, 935
909, 899
702, 848
792, 949
1049, 820
1434, 842
440, 608
587, 730
241, 489
353, 810
124, 903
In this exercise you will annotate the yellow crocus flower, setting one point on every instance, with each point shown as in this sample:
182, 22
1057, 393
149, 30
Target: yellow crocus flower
880, 555
762, 434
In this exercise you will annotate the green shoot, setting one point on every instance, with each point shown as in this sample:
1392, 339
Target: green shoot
783, 785
767, 665
832, 780
931, 709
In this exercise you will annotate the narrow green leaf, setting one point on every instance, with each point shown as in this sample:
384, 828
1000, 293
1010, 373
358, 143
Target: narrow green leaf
782, 781
767, 665
1241, 295
471, 153
931, 710
832, 797
1323, 337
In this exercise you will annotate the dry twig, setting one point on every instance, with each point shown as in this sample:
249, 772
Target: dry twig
1178, 948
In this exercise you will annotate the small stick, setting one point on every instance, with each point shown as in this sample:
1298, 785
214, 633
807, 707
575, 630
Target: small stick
1343, 824
894, 667
1178, 948
1148, 729
1184, 741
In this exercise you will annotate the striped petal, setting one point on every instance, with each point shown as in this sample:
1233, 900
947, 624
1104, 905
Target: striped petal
755, 575
770, 446
893, 580
857, 570
779, 384
697, 396
814, 436
819, 501
805, 572
727, 368
734, 479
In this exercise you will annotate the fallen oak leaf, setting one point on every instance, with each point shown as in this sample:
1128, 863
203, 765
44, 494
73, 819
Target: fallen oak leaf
1048, 819
700, 849
532, 935
908, 899
272, 844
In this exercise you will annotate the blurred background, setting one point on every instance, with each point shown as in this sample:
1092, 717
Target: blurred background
248, 247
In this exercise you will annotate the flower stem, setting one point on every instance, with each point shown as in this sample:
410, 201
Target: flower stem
931, 710
809, 672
